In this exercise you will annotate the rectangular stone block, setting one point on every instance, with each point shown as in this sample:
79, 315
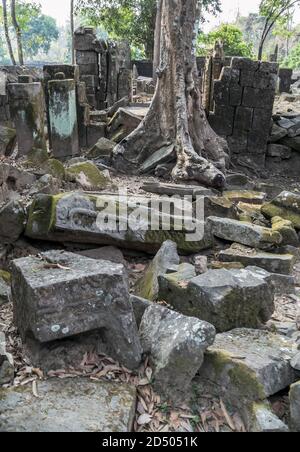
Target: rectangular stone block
235, 95
88, 57
247, 78
60, 295
244, 64
222, 120
263, 80
269, 67
221, 92
238, 142
70, 71
258, 98
91, 81
243, 119
89, 69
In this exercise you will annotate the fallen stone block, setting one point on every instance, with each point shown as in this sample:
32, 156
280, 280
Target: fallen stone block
287, 231
164, 155
277, 134
102, 149
60, 295
176, 346
106, 253
286, 205
244, 233
247, 196
105, 220
70, 405
147, 287
122, 124
225, 298
87, 175
6, 363
265, 421
280, 151
293, 143
246, 365
218, 206
295, 406
8, 139
140, 305
273, 263
5, 292
176, 189
12, 222
281, 284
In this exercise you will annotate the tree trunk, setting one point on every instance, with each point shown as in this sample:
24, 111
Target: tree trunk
156, 57
6, 30
18, 32
72, 30
176, 115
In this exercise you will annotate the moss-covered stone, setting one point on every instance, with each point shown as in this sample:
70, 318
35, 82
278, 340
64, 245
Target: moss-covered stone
6, 276
37, 157
87, 175
286, 206
55, 168
287, 231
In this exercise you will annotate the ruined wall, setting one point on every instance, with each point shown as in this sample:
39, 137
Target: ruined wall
243, 99
104, 66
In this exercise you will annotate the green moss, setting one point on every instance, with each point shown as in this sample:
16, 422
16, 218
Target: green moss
6, 276
270, 210
55, 168
38, 156
88, 175
42, 215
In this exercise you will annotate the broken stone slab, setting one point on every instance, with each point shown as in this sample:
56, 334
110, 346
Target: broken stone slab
7, 140
122, 124
12, 222
174, 189
140, 305
217, 206
279, 150
69, 405
102, 149
106, 253
175, 345
60, 295
147, 287
286, 205
164, 155
82, 218
281, 284
273, 263
287, 231
87, 175
225, 298
245, 233
6, 363
277, 134
246, 365
295, 406
247, 196
265, 421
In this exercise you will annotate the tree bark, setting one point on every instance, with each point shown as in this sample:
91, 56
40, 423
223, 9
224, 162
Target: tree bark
176, 115
18, 32
157, 36
6, 31
72, 30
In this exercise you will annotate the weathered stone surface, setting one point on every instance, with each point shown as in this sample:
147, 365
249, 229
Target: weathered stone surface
287, 231
147, 287
5, 291
176, 189
273, 263
201, 264
87, 175
106, 253
295, 406
277, 133
248, 365
279, 150
6, 363
176, 346
247, 196
72, 405
295, 362
265, 421
282, 284
140, 305
77, 217
7, 140
49, 290
218, 206
12, 222
103, 148
225, 298
293, 143
286, 205
163, 155
47, 185
244, 233
122, 124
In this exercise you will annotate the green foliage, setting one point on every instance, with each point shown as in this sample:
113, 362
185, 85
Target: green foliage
293, 60
232, 39
133, 20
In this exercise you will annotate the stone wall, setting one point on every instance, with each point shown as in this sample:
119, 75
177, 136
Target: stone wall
104, 66
243, 99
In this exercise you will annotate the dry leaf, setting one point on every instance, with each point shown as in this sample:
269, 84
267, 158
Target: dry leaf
144, 419
35, 389
227, 416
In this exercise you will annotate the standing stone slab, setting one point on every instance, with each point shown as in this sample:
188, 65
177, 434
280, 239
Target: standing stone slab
245, 233
61, 295
176, 346
27, 108
63, 118
147, 287
69, 406
225, 298
248, 365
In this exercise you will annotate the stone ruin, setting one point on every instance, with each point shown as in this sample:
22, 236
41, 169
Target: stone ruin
218, 315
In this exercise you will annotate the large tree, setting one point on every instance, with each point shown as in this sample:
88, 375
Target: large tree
18, 32
232, 38
176, 116
133, 20
6, 30
273, 11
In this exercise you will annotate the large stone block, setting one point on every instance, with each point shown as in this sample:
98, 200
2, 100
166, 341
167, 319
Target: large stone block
7, 140
295, 406
66, 406
247, 365
60, 295
245, 233
286, 205
110, 220
176, 346
258, 98
225, 298
243, 119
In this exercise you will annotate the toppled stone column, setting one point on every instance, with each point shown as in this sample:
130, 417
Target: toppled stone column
63, 118
63, 295
27, 108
